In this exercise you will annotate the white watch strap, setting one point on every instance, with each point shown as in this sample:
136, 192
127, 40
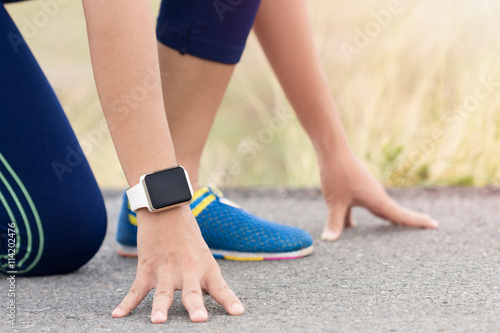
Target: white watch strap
137, 197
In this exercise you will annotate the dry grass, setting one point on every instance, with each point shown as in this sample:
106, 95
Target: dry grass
408, 100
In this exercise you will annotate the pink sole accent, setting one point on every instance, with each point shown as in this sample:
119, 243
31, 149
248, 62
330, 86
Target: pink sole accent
283, 258
128, 255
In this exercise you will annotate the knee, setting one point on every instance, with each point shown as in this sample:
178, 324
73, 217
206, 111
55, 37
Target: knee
85, 232
72, 232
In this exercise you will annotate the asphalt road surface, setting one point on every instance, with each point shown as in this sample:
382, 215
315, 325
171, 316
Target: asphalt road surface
376, 278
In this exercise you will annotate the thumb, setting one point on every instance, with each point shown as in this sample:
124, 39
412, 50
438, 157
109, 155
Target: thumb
336, 221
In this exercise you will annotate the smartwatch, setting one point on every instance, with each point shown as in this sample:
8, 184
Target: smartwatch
161, 190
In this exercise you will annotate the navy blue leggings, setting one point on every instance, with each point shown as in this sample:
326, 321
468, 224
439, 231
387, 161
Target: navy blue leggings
52, 215
215, 30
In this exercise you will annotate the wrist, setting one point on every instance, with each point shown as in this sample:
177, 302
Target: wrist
172, 215
167, 229
328, 148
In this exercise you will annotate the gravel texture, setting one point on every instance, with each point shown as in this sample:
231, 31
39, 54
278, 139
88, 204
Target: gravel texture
376, 278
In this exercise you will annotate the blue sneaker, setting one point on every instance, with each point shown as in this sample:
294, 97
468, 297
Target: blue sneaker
230, 232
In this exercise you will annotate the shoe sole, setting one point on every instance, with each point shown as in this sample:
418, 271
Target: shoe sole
127, 251
131, 252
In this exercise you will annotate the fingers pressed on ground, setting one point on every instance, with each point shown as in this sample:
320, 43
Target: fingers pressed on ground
414, 219
392, 211
134, 296
162, 301
222, 294
336, 221
192, 298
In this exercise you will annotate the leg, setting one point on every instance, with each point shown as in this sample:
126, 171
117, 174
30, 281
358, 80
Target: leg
200, 43
192, 90
46, 186
345, 182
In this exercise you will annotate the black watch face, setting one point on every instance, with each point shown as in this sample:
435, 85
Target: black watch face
168, 187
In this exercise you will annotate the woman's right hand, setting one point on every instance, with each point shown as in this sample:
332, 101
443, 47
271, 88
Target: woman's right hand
174, 256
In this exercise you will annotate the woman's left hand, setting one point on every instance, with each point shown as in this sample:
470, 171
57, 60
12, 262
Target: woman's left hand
346, 183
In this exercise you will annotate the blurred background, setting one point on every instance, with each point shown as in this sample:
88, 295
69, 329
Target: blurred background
418, 92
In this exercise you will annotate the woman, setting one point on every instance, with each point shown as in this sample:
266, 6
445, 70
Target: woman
172, 252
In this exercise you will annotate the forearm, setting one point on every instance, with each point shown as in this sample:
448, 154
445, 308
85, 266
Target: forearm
125, 62
288, 44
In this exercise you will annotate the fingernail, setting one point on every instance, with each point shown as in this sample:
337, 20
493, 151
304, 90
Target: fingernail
237, 308
434, 223
199, 315
158, 317
117, 312
328, 235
